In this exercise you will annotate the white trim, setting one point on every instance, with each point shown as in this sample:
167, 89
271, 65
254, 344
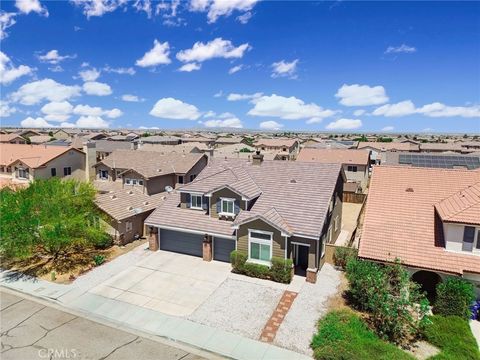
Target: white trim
190, 231
222, 199
260, 242
191, 202
299, 243
286, 243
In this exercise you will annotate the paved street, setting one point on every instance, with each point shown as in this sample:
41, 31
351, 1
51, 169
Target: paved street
32, 330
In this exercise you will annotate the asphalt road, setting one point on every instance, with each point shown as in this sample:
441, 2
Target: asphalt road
32, 330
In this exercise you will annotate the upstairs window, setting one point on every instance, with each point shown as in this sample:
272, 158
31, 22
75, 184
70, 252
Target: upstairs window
180, 179
192, 177
351, 168
67, 171
196, 202
227, 206
53, 172
468, 238
103, 174
22, 174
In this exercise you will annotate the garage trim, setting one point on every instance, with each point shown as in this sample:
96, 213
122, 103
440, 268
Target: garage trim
191, 231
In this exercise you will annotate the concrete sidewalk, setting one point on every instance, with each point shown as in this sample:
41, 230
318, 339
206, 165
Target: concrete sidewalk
475, 326
148, 321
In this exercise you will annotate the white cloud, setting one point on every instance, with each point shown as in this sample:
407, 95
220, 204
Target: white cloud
53, 57
402, 108
285, 69
218, 8
359, 112
388, 128
238, 97
217, 48
170, 108
441, 110
98, 7
149, 128
5, 109
245, 18
91, 122
158, 55
218, 94
270, 125
132, 98
27, 6
97, 88
235, 69
6, 20
46, 89
289, 108
38, 122
89, 75
96, 111
189, 67
145, 5
57, 110
119, 70
400, 49
232, 122
56, 68
344, 124
8, 72
361, 95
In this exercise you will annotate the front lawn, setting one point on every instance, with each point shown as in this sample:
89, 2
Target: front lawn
343, 335
454, 337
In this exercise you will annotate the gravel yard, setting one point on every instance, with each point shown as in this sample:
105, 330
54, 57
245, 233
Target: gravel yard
240, 307
299, 326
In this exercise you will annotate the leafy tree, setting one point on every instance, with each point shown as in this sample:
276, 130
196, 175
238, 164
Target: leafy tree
245, 150
454, 298
50, 133
50, 217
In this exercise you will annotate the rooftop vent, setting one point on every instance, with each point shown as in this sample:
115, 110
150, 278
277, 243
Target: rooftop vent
293, 181
113, 197
159, 170
145, 203
130, 208
409, 189
130, 192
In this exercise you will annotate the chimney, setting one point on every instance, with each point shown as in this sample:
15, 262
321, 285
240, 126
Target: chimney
257, 158
89, 148
134, 145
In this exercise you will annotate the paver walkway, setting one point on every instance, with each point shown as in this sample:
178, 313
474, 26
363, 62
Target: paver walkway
270, 330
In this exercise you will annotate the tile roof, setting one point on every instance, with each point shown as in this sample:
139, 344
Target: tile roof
9, 137
400, 217
359, 157
123, 201
384, 146
228, 140
276, 142
40, 139
180, 148
299, 192
151, 164
158, 139
441, 146
109, 146
462, 207
33, 156
270, 216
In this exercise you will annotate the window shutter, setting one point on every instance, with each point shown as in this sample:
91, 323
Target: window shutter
237, 206
188, 200
205, 203
219, 206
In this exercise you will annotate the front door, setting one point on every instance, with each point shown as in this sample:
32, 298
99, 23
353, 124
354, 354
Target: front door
301, 259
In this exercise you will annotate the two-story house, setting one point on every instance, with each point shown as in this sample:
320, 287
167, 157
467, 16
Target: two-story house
284, 149
428, 218
132, 183
262, 208
22, 163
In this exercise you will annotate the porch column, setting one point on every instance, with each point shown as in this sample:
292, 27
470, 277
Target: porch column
153, 237
207, 248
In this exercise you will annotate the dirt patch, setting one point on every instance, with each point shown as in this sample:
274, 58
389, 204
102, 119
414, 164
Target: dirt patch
65, 269
339, 301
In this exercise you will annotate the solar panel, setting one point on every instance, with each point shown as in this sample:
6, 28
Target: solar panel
439, 161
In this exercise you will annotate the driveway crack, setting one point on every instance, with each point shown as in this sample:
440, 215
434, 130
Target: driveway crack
119, 347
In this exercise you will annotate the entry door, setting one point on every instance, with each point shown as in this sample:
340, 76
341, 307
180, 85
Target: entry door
301, 256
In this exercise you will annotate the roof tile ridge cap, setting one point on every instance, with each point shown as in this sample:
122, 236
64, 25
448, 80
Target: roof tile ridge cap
289, 228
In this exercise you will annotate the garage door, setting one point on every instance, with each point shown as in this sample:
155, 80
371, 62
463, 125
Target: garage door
222, 248
185, 243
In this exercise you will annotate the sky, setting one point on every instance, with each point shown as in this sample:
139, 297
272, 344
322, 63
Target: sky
340, 66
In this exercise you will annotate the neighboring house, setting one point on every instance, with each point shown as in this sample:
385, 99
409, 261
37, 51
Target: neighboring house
158, 139
132, 183
201, 139
12, 139
285, 149
239, 151
222, 141
106, 147
94, 136
470, 145
263, 208
355, 162
195, 148
427, 218
446, 161
442, 147
378, 149
26, 133
62, 134
39, 139
127, 137
24, 163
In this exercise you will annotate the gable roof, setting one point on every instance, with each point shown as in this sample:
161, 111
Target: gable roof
276, 142
461, 207
400, 217
9, 137
358, 157
384, 146
151, 164
33, 156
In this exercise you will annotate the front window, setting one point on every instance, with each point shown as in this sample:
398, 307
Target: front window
196, 202
104, 174
228, 206
468, 238
67, 171
351, 168
260, 246
53, 172
22, 174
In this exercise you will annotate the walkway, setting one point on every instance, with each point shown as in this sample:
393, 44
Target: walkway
271, 328
475, 326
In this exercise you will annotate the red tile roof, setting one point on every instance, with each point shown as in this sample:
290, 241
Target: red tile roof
340, 156
400, 217
462, 207
31, 155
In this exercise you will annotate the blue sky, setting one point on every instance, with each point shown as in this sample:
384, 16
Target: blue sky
318, 66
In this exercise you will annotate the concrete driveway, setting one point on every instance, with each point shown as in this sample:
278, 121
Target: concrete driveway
171, 283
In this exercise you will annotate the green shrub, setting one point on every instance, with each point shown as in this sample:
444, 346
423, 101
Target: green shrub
342, 255
281, 270
454, 298
256, 270
343, 335
396, 308
98, 260
453, 336
238, 260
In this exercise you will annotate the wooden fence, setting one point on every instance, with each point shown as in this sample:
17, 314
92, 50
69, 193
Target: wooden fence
353, 197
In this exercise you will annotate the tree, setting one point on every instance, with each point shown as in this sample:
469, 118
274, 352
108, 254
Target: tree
50, 217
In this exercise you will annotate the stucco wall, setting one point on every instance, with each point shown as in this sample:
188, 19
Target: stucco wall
453, 234
196, 169
312, 250
118, 228
278, 243
361, 175
157, 184
75, 159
